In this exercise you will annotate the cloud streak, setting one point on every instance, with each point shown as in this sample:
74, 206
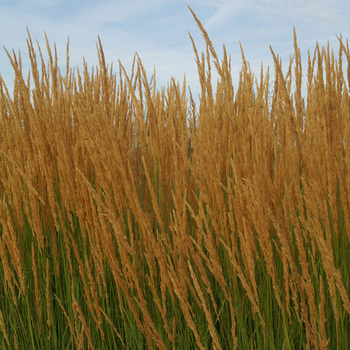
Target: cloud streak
274, 11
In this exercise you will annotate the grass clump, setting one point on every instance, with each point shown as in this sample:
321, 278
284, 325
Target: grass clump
133, 218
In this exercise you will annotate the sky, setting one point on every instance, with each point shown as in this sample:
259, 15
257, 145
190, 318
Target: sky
158, 31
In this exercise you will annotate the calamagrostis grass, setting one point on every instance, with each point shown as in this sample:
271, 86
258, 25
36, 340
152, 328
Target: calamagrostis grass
134, 217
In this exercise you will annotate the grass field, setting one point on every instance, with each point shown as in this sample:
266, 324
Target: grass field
132, 217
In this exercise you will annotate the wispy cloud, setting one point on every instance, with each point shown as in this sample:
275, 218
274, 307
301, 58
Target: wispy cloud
152, 28
323, 12
260, 23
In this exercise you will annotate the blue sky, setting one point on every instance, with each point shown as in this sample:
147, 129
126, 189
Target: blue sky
158, 31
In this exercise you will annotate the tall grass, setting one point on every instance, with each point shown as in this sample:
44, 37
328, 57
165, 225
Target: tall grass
131, 217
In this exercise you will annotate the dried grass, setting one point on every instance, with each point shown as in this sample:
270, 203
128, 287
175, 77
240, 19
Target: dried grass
142, 219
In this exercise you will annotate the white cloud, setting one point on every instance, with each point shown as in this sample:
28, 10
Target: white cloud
272, 11
121, 26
